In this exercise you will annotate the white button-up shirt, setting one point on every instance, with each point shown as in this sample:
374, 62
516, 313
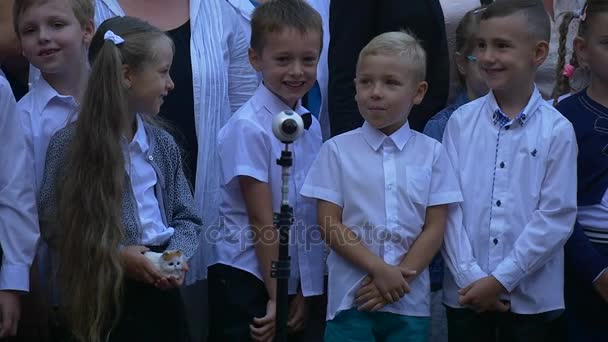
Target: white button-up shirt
519, 185
43, 112
383, 185
19, 231
248, 147
143, 179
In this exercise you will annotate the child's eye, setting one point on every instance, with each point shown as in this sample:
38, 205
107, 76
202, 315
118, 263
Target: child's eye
58, 24
481, 45
393, 82
502, 45
283, 59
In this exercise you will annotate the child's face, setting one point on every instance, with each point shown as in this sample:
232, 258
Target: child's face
288, 63
52, 39
592, 49
149, 84
386, 91
507, 53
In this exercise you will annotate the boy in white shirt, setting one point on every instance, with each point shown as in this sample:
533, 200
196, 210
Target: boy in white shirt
19, 230
382, 193
285, 48
515, 156
54, 36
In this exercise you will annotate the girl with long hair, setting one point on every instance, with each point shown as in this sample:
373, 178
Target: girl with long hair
114, 188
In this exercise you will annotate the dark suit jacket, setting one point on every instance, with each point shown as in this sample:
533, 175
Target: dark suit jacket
353, 23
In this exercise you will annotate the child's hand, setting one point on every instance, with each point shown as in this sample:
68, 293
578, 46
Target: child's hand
137, 266
390, 281
483, 295
601, 286
9, 313
368, 297
298, 313
262, 329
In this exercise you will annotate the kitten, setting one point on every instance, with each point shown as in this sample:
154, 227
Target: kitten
169, 263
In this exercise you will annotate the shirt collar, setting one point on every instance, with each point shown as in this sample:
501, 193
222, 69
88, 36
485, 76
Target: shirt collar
44, 94
263, 97
501, 119
140, 139
375, 138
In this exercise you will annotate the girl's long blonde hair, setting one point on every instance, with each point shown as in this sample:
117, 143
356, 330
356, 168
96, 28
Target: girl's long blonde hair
90, 193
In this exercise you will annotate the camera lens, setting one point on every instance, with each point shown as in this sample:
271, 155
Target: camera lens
289, 126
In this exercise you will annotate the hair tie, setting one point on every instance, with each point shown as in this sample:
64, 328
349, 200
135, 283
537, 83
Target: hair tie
116, 39
568, 71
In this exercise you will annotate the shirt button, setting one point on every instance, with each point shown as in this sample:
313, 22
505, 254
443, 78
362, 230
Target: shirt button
495, 241
150, 158
502, 165
498, 203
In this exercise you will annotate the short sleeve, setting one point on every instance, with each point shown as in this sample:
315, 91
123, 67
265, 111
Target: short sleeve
244, 149
324, 179
444, 183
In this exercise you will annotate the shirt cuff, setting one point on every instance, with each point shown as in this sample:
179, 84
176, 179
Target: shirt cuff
445, 198
599, 275
15, 277
322, 194
508, 274
469, 275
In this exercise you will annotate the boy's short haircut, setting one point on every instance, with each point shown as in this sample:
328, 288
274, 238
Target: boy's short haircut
538, 23
276, 15
402, 44
84, 10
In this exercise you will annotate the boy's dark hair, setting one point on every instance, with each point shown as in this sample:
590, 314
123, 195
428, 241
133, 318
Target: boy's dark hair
276, 15
538, 23
84, 10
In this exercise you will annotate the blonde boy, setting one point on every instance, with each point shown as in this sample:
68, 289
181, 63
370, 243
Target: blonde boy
382, 193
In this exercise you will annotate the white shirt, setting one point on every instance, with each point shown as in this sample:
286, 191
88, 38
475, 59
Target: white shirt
519, 188
19, 231
383, 185
43, 112
143, 179
245, 8
248, 147
223, 80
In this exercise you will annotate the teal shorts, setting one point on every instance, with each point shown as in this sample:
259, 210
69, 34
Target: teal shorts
362, 326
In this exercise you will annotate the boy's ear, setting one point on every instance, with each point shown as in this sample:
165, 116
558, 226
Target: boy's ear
89, 30
541, 51
421, 89
254, 59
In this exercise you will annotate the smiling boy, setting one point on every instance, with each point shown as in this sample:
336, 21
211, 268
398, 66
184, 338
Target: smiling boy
515, 156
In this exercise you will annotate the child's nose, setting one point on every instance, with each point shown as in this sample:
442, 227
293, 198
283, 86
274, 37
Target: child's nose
43, 34
297, 69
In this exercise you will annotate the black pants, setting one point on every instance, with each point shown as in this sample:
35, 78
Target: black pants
468, 326
235, 298
151, 314
353, 23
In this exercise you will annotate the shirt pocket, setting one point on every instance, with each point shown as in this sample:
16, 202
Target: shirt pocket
418, 183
